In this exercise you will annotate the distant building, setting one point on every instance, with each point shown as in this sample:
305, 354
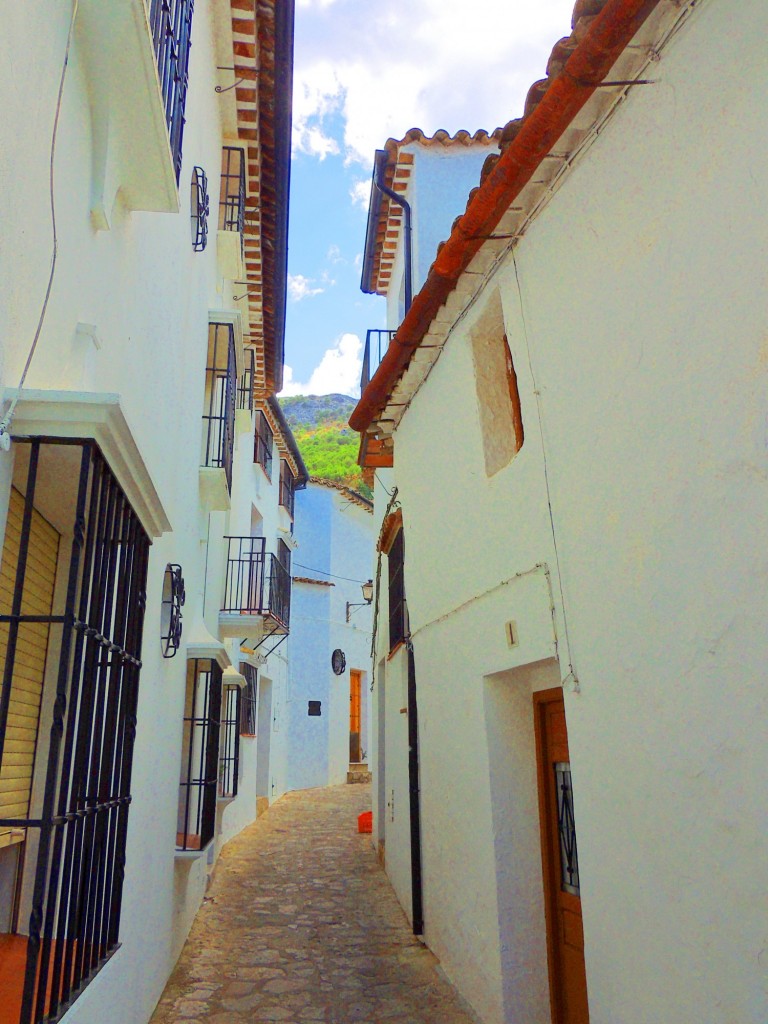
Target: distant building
330, 645
567, 434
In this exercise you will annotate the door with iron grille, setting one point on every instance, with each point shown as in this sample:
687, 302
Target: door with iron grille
562, 892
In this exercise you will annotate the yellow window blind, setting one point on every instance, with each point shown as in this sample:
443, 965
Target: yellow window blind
31, 648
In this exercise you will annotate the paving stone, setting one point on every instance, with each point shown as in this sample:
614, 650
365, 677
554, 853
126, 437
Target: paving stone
301, 926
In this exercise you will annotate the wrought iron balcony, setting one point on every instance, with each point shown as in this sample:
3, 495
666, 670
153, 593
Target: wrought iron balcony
171, 25
257, 590
287, 487
376, 344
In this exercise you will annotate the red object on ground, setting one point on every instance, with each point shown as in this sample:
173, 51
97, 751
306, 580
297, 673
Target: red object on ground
365, 821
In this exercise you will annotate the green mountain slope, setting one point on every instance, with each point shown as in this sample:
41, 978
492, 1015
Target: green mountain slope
327, 444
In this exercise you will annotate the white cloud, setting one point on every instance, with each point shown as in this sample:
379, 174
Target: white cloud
300, 287
338, 372
360, 193
384, 68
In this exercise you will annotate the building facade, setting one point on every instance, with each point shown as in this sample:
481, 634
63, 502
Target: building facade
330, 644
147, 481
568, 434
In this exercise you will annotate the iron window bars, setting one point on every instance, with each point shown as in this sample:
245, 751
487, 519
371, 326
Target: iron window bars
229, 747
279, 591
232, 198
566, 828
249, 699
256, 583
287, 484
398, 616
376, 344
174, 596
263, 443
245, 390
81, 821
200, 755
199, 209
220, 399
171, 25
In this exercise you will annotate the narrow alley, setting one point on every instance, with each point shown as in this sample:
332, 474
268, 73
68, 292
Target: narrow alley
301, 925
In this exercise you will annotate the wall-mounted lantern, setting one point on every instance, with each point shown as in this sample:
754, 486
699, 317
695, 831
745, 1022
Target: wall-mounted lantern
174, 596
367, 589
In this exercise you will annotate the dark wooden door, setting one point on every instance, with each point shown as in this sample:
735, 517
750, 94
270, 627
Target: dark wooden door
562, 894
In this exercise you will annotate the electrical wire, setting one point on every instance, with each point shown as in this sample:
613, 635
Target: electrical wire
6, 421
321, 572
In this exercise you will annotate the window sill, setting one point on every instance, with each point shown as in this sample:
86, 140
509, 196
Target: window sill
182, 855
400, 644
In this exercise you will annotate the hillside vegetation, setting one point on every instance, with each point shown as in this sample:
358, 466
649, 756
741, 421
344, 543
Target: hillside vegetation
327, 444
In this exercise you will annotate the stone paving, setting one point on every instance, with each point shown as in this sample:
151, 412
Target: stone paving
301, 926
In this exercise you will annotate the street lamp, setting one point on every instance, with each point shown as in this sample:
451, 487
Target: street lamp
367, 589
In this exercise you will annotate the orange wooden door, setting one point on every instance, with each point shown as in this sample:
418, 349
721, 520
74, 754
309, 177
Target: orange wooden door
354, 715
565, 935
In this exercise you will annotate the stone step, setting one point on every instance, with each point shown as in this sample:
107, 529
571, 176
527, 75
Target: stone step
358, 776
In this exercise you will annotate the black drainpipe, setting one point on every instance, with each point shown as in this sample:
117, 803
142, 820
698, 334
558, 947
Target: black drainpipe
413, 792
379, 183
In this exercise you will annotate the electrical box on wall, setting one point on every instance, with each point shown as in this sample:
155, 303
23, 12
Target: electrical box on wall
313, 708
513, 638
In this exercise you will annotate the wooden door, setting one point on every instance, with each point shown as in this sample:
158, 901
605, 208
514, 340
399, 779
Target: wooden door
354, 716
565, 935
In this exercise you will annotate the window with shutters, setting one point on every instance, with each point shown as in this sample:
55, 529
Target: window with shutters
398, 614
72, 598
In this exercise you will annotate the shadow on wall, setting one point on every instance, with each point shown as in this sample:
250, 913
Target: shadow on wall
509, 726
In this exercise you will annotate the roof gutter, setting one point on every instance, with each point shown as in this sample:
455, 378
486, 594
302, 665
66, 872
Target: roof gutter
374, 211
590, 62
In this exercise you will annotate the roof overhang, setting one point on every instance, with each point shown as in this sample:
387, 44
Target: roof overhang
589, 72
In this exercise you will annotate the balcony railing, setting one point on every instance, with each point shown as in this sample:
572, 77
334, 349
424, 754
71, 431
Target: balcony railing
376, 344
232, 200
171, 25
220, 396
245, 390
256, 582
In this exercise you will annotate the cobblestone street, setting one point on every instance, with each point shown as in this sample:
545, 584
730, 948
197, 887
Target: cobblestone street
301, 925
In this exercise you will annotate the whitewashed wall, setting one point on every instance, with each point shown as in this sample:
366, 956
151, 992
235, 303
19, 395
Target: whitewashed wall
336, 540
642, 289
148, 294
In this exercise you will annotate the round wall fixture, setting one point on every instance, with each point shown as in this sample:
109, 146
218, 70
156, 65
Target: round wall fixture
199, 208
338, 661
174, 597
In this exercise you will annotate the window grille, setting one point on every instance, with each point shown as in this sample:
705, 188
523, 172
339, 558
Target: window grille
232, 200
249, 699
200, 755
566, 828
279, 591
398, 615
263, 443
220, 397
286, 487
229, 749
245, 390
171, 25
78, 826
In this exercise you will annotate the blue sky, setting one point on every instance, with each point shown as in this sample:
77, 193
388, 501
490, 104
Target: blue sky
365, 71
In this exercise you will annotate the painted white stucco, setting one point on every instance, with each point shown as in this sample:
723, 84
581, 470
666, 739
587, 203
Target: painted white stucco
130, 275
638, 338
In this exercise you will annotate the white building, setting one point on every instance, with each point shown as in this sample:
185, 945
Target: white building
573, 413
330, 645
148, 463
